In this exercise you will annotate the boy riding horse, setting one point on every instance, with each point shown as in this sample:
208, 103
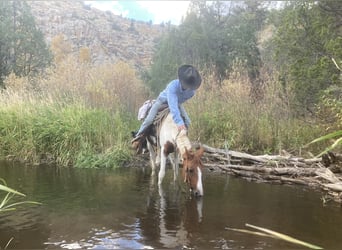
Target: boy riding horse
174, 95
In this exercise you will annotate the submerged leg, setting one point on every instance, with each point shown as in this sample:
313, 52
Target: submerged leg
152, 158
162, 166
175, 165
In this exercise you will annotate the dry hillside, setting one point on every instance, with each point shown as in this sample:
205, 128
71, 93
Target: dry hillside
109, 37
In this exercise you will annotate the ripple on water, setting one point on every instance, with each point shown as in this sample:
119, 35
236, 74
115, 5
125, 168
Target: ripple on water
104, 238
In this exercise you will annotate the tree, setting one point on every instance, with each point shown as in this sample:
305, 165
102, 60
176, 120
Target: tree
23, 50
165, 63
213, 36
60, 48
308, 38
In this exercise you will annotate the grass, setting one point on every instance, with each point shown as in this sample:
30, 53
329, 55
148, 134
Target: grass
79, 118
275, 235
69, 135
226, 115
80, 115
6, 204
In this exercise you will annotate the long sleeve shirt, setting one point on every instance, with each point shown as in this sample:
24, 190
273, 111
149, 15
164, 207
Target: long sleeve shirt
174, 96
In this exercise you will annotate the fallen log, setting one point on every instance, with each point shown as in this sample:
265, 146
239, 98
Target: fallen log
281, 169
272, 160
335, 187
270, 170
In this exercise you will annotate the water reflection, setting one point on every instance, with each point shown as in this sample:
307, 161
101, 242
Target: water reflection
170, 215
126, 209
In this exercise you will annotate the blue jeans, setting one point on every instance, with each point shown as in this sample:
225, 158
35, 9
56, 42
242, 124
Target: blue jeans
153, 112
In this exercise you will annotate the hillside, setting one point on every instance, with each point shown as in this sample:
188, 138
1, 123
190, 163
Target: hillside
109, 37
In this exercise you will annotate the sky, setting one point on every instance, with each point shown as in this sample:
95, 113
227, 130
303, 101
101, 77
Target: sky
157, 11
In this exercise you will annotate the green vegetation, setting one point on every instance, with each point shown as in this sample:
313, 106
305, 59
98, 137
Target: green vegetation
23, 50
270, 75
5, 204
275, 235
68, 134
271, 82
228, 116
85, 123
315, 44
336, 143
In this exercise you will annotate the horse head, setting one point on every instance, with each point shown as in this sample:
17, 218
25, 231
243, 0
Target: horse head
192, 170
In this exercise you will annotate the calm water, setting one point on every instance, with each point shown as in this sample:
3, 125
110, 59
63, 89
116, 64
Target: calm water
102, 209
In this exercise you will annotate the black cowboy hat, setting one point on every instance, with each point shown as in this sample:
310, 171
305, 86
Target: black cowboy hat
189, 77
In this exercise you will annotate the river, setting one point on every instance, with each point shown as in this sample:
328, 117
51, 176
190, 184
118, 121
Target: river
125, 209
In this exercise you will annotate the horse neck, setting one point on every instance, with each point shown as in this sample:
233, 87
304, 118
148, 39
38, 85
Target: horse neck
183, 142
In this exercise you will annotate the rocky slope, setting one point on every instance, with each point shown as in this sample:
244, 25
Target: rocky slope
109, 37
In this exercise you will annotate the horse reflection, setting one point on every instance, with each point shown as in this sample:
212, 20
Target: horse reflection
172, 219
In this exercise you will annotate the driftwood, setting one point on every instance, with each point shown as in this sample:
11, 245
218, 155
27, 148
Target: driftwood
282, 169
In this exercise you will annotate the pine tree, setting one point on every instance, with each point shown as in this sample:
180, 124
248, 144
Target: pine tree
23, 50
307, 42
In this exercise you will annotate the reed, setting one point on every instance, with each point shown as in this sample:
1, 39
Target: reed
6, 204
81, 115
226, 115
37, 131
83, 123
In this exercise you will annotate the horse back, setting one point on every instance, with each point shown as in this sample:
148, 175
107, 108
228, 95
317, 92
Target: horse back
168, 131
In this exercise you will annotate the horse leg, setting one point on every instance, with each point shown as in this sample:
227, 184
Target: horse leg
162, 166
152, 157
175, 165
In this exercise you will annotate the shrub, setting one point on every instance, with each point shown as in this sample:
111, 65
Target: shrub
38, 131
227, 115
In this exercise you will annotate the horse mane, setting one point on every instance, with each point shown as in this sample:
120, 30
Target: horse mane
182, 141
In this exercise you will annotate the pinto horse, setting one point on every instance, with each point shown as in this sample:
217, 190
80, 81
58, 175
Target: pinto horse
176, 145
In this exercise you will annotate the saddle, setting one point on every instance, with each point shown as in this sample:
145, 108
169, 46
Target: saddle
150, 134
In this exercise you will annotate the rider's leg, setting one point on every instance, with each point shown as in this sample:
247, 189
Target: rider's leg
149, 119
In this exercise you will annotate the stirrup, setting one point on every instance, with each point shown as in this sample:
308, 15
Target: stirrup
137, 138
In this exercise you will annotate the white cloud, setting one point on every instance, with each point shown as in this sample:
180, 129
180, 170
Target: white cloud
161, 11
164, 11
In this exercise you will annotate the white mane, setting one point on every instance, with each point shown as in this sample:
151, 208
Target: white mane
183, 142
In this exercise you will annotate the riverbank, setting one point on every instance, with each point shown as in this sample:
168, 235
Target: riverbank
320, 173
323, 174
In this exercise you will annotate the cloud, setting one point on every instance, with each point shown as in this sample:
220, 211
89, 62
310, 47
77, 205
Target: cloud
157, 11
164, 11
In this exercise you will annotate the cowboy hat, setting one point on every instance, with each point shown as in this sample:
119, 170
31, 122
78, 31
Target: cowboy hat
189, 77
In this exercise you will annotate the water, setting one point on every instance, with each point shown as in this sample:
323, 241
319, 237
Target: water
124, 209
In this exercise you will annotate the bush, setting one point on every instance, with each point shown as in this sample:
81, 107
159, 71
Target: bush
39, 131
228, 115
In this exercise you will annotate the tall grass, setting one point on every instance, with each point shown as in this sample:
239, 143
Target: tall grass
227, 115
81, 115
77, 118
6, 204
37, 131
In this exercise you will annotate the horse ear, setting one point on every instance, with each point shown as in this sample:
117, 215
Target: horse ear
200, 152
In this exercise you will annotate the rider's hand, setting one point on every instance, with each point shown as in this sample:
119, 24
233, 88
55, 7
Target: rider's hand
181, 127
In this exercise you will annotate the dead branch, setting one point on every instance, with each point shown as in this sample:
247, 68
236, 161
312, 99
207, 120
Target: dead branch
282, 169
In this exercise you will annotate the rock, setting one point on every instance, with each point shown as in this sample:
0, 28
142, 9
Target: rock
109, 37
